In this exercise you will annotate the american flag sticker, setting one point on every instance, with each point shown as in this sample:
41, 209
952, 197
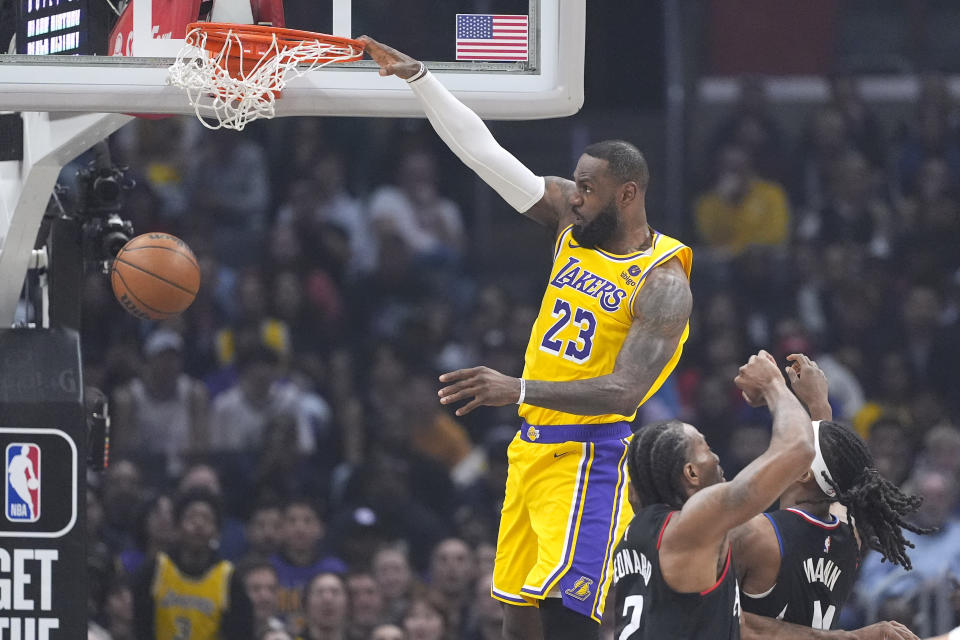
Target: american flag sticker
482, 36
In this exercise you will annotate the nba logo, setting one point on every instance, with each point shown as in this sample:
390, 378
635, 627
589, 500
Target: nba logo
22, 472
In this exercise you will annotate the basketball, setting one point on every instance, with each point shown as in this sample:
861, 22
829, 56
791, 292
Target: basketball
155, 276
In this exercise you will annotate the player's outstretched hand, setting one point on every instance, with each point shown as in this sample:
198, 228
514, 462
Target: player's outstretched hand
757, 377
884, 631
809, 383
483, 385
391, 61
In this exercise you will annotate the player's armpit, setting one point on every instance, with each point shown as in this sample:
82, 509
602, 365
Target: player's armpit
553, 210
757, 551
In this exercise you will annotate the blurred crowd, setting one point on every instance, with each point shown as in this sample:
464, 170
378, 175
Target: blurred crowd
296, 399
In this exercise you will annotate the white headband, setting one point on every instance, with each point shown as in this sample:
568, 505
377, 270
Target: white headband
819, 465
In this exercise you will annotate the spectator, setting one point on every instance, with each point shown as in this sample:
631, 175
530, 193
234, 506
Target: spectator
862, 125
154, 532
118, 610
424, 620
326, 605
941, 450
741, 209
252, 319
163, 411
428, 224
241, 414
263, 529
431, 431
366, 605
356, 535
322, 197
892, 449
825, 140
192, 585
931, 224
260, 582
300, 557
391, 569
886, 589
930, 348
388, 632
205, 478
227, 181
929, 136
122, 487
753, 126
453, 572
487, 614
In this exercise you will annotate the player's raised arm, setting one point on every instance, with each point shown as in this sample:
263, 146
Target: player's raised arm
712, 512
542, 199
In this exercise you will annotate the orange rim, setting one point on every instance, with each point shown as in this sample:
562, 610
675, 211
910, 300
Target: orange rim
257, 40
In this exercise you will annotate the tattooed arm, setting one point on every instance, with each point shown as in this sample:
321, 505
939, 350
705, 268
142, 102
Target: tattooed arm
661, 310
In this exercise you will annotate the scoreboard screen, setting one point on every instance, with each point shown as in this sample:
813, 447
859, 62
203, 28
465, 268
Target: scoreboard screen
53, 27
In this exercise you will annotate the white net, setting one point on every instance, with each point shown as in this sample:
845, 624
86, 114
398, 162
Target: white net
224, 101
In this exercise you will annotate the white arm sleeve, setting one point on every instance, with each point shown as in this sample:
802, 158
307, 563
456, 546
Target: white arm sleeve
467, 136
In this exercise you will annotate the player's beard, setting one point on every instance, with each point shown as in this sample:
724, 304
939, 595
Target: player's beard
599, 230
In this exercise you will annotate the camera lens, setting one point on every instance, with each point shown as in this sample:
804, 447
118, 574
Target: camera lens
106, 189
113, 241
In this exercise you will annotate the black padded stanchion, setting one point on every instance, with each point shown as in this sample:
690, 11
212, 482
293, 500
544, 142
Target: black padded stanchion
43, 438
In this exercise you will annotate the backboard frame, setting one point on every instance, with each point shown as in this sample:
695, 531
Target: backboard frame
549, 86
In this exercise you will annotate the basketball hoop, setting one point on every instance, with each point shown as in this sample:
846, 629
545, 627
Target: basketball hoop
235, 72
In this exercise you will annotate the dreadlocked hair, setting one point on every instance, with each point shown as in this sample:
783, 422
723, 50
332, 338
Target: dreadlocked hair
876, 505
655, 463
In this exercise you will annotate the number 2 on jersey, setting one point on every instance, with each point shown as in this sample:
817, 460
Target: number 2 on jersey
577, 350
635, 603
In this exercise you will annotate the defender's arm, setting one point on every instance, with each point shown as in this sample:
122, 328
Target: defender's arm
710, 513
754, 627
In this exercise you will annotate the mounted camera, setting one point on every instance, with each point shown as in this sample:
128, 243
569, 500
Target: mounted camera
99, 201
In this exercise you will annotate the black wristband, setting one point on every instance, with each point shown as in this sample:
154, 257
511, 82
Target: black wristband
419, 74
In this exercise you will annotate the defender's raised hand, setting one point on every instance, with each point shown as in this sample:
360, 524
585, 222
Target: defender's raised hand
810, 384
391, 61
483, 385
758, 377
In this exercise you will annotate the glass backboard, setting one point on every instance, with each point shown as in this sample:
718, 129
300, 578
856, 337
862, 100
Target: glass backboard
537, 71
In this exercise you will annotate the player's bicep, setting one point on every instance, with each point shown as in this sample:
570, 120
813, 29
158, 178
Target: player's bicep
553, 209
661, 312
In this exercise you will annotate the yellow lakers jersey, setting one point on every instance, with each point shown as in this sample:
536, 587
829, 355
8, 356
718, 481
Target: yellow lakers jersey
585, 315
189, 608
